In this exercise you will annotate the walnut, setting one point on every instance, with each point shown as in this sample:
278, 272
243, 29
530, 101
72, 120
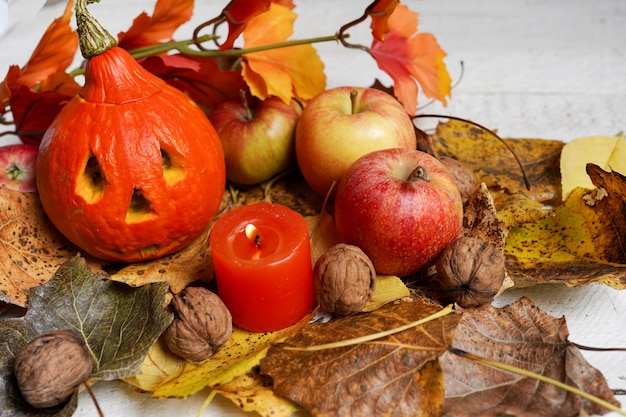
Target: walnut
344, 280
51, 367
463, 178
202, 324
471, 271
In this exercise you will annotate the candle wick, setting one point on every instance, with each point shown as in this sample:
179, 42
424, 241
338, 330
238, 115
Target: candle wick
257, 240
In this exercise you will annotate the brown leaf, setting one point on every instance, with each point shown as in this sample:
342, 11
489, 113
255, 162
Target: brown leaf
32, 249
496, 166
480, 218
611, 209
396, 375
524, 336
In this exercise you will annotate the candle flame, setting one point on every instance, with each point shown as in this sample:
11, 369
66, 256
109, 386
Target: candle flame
252, 233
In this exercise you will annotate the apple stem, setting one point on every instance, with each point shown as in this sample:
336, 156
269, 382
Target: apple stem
353, 96
419, 174
244, 100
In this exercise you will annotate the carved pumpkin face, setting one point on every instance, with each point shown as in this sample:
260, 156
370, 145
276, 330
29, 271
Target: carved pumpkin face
131, 169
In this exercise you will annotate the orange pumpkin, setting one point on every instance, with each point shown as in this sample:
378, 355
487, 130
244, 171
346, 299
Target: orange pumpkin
131, 169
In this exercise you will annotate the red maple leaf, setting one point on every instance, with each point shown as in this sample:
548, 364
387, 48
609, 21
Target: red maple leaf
198, 77
411, 59
33, 110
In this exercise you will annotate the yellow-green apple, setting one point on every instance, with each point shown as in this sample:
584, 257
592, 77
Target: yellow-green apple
17, 166
341, 124
258, 139
401, 207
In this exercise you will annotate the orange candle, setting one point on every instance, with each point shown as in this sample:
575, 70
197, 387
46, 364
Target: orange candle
262, 261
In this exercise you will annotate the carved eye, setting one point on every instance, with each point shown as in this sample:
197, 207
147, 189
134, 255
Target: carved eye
92, 182
173, 170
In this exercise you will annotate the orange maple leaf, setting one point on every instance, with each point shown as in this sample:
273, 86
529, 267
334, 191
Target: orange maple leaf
54, 53
380, 11
167, 16
291, 72
411, 58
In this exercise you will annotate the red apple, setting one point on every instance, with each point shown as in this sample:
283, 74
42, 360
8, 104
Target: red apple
258, 140
342, 124
401, 207
17, 167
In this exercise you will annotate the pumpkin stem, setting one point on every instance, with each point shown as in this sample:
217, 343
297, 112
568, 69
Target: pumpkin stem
94, 39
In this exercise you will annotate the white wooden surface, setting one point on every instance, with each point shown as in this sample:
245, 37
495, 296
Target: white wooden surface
552, 69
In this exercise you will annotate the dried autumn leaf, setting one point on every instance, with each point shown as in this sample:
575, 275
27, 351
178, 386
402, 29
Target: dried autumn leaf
579, 244
609, 201
292, 72
411, 58
380, 11
609, 152
158, 366
524, 336
179, 269
238, 355
118, 324
32, 249
495, 165
396, 375
167, 16
252, 392
517, 209
54, 53
480, 218
198, 77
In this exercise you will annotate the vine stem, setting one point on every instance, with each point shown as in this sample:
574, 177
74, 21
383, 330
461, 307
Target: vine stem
370, 337
183, 47
539, 377
486, 129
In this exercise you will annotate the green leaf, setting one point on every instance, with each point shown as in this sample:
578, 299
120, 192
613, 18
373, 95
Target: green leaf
119, 325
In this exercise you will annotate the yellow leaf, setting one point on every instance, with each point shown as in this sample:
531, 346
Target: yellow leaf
571, 247
252, 392
388, 288
608, 152
517, 209
158, 366
291, 72
238, 355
